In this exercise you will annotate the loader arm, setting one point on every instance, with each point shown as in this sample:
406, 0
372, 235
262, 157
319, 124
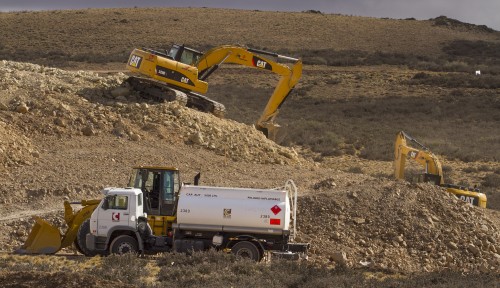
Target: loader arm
45, 238
423, 156
290, 76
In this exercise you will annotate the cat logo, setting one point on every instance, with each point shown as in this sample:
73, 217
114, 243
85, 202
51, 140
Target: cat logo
467, 199
413, 154
261, 64
135, 61
185, 80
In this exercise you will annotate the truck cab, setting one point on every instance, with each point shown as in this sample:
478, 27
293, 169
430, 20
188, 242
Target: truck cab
118, 211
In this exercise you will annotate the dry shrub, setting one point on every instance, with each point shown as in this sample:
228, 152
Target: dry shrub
217, 269
484, 168
455, 80
313, 133
127, 268
470, 170
492, 180
355, 170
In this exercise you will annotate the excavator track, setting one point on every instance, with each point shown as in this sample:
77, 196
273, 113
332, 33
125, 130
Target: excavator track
161, 92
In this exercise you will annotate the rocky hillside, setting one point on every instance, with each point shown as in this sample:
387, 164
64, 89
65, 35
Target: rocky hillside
64, 135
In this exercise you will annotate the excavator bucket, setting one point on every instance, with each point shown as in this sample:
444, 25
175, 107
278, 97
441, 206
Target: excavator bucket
43, 239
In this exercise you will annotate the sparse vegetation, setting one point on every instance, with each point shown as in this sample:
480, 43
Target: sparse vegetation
367, 85
126, 268
457, 80
216, 269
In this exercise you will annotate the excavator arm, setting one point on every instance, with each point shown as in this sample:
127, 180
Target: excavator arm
433, 169
423, 156
290, 76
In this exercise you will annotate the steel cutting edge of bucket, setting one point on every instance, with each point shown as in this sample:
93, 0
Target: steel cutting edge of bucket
43, 239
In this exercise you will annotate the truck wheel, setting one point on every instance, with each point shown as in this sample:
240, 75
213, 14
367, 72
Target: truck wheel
123, 244
246, 249
81, 242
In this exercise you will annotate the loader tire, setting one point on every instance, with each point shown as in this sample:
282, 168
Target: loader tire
81, 239
78, 246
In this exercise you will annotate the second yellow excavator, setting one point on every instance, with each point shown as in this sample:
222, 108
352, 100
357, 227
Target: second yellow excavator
433, 169
180, 74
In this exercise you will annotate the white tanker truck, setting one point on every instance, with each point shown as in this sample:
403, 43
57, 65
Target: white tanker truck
157, 214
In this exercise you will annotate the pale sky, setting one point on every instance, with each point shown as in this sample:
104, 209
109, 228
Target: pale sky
481, 12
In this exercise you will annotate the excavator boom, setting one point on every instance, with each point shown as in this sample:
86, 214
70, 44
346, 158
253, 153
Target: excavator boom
290, 76
423, 156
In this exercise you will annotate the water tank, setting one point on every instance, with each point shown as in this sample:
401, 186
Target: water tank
240, 210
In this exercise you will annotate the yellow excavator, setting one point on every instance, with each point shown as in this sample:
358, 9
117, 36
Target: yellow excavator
180, 75
433, 169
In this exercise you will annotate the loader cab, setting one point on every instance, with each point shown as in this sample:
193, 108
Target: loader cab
160, 187
183, 54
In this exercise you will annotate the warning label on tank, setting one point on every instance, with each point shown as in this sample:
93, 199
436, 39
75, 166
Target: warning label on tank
227, 213
276, 209
264, 198
275, 221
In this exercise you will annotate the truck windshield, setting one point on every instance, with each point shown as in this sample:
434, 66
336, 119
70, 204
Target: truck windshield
116, 202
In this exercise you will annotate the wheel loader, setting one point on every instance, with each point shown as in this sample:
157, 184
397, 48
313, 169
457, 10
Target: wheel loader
159, 213
47, 239
433, 170
180, 74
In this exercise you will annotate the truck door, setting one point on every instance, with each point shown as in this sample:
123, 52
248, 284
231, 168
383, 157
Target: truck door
114, 211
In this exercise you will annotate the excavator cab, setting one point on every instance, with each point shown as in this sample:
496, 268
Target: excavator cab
183, 54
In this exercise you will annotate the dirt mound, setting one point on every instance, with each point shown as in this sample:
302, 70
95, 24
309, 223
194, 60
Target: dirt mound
57, 279
15, 148
52, 101
398, 226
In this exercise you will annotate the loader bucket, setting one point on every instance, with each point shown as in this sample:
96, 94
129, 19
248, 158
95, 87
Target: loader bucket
43, 239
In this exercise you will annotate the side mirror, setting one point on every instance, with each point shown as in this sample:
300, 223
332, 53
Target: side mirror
197, 179
105, 204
